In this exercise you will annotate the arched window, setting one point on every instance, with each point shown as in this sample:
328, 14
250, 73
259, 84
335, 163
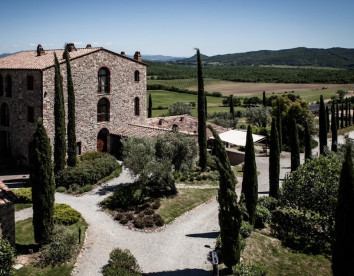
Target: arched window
103, 110
136, 107
8, 86
4, 115
1, 87
136, 75
103, 80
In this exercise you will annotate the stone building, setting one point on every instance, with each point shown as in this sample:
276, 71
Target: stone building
7, 213
110, 91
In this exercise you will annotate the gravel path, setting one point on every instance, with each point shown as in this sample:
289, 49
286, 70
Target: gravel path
24, 214
181, 247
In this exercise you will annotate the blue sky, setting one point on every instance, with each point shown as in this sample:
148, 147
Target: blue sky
175, 28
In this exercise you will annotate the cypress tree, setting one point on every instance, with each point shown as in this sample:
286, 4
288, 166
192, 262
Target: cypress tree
232, 108
202, 141
349, 114
279, 127
250, 181
323, 126
346, 112
343, 247
230, 215
337, 111
43, 186
327, 118
71, 113
295, 147
264, 99
150, 107
342, 117
308, 150
274, 161
206, 107
334, 130
59, 117
353, 114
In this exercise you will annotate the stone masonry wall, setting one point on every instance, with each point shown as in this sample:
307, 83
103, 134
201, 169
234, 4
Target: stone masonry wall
7, 222
20, 129
123, 90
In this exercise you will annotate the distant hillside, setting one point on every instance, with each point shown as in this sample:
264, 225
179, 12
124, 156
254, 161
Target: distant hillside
161, 58
5, 55
333, 57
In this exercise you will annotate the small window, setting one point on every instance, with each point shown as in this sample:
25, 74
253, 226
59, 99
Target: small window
103, 81
136, 75
136, 107
8, 86
30, 114
78, 148
1, 87
4, 115
103, 110
30, 83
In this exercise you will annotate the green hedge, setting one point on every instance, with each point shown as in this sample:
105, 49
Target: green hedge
24, 195
92, 167
64, 214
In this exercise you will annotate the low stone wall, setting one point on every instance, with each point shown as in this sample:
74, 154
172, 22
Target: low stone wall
7, 222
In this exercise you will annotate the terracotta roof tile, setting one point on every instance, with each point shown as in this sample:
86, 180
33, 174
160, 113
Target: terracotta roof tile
6, 195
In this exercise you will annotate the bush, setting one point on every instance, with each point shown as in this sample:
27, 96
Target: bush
118, 216
60, 249
122, 263
92, 167
24, 195
180, 108
85, 189
158, 220
129, 216
64, 214
246, 229
124, 220
124, 197
61, 189
138, 223
148, 222
156, 205
263, 216
7, 257
249, 269
268, 202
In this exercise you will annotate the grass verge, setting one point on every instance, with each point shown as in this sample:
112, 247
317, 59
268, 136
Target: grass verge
25, 236
21, 206
187, 199
279, 260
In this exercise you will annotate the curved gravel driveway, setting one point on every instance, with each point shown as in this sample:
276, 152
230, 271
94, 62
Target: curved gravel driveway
181, 248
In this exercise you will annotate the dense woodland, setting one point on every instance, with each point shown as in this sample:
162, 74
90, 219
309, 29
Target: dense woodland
252, 73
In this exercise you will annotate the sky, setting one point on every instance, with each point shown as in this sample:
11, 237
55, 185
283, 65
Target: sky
176, 28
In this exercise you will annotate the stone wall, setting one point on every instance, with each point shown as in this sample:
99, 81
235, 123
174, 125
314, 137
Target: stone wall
123, 90
20, 129
7, 222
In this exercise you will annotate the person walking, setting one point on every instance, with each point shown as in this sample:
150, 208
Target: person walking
215, 262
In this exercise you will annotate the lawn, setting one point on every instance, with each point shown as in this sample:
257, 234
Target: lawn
279, 260
187, 199
25, 236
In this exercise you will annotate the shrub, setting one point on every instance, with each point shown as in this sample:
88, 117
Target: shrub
121, 262
199, 178
158, 220
61, 189
24, 195
124, 197
263, 216
148, 222
85, 189
7, 257
141, 215
156, 204
268, 202
92, 167
60, 249
129, 216
249, 269
138, 223
64, 214
118, 216
124, 220
246, 229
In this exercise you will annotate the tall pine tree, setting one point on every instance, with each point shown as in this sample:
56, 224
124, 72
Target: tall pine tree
337, 114
150, 107
308, 151
279, 126
232, 108
346, 112
334, 130
264, 99
295, 147
59, 117
43, 186
327, 119
323, 126
349, 114
230, 215
274, 161
342, 116
343, 247
250, 180
71, 113
202, 141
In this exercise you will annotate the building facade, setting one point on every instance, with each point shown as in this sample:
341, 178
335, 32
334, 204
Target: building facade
110, 92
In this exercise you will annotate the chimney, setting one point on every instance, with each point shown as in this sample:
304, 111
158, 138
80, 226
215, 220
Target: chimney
88, 46
137, 56
40, 50
122, 54
71, 47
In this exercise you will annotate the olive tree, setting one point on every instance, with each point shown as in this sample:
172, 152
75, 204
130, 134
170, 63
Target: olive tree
258, 116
